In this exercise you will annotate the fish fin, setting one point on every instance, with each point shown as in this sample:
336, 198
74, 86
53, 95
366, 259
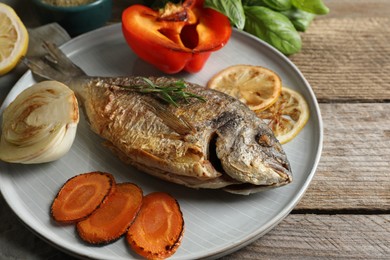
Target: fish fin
55, 65
178, 124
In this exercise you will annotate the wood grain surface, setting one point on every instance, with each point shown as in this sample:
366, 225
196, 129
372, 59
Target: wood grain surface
323, 237
347, 59
345, 213
354, 170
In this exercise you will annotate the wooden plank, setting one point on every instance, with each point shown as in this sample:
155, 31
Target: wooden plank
354, 171
323, 237
347, 59
357, 8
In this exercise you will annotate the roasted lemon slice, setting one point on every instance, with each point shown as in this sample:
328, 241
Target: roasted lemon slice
287, 116
13, 39
255, 86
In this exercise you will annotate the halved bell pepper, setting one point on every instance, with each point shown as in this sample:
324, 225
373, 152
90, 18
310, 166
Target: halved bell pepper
177, 37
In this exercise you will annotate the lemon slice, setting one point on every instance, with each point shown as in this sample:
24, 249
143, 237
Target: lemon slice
287, 116
13, 39
255, 86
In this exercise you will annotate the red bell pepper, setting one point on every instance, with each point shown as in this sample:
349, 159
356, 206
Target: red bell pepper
177, 37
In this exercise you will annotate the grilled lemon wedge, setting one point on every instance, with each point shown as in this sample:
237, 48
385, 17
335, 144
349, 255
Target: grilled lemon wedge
287, 116
255, 86
13, 39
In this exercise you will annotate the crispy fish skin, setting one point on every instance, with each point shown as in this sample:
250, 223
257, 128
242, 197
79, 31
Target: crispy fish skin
219, 143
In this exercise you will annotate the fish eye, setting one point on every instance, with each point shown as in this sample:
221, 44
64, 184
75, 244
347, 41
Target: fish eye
264, 139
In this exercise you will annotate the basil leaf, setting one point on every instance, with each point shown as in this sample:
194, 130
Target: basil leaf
272, 27
231, 8
279, 5
311, 6
253, 2
299, 18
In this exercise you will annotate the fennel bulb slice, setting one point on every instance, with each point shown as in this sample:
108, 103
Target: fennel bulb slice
40, 124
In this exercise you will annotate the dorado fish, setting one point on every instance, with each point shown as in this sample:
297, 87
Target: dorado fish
205, 139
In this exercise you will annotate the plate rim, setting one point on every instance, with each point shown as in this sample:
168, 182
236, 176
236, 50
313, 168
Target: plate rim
250, 238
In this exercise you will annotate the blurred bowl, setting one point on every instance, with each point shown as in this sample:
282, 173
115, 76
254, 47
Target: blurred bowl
76, 19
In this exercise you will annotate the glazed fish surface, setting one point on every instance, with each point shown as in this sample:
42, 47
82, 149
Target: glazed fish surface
214, 143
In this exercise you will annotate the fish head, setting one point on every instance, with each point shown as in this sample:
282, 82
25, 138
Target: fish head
247, 151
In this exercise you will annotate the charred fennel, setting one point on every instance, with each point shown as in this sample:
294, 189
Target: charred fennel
40, 124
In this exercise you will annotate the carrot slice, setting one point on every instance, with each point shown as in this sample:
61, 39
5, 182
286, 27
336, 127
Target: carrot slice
112, 219
158, 229
81, 195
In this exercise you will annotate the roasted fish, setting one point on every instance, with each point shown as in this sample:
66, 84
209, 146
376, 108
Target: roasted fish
213, 141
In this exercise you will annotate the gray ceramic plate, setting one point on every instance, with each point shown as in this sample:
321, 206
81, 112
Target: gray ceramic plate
216, 223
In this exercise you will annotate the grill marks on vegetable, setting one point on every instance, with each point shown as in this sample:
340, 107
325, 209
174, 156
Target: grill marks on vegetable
82, 195
158, 229
188, 35
103, 211
112, 219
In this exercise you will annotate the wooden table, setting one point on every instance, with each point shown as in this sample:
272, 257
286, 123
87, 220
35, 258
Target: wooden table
345, 213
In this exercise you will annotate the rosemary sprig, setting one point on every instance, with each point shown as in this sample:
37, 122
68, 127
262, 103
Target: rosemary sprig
171, 93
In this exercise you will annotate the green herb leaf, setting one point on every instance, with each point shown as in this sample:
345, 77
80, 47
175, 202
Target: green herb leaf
272, 27
171, 93
300, 19
231, 8
279, 5
253, 2
311, 6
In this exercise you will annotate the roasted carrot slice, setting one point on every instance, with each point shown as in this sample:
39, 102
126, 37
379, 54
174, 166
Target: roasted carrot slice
112, 219
81, 195
157, 230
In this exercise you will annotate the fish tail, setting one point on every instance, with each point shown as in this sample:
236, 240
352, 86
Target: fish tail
54, 65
